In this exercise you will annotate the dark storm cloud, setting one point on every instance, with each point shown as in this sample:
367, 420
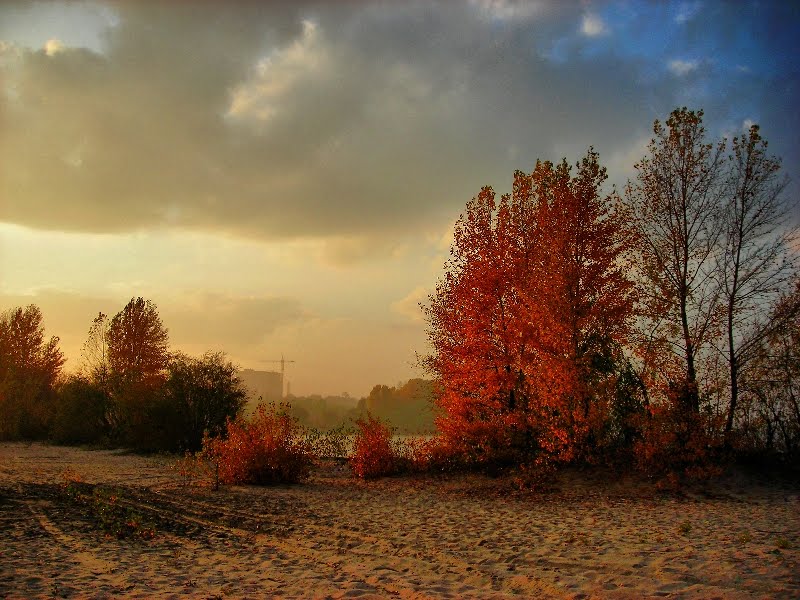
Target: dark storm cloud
313, 120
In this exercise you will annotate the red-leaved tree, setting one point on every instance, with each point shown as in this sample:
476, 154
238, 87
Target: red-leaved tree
29, 367
137, 350
527, 323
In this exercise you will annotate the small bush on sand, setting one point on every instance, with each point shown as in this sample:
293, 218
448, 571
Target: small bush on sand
269, 448
678, 444
377, 453
197, 470
373, 454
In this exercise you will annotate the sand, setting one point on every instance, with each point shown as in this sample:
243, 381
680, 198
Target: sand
407, 537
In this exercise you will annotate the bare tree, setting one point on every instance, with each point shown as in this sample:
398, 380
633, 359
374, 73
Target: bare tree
769, 416
756, 264
675, 201
94, 354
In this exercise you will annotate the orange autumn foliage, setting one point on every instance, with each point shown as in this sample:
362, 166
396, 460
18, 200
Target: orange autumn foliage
376, 452
678, 445
269, 448
373, 454
528, 319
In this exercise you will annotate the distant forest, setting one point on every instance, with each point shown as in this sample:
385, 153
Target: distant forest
409, 407
131, 390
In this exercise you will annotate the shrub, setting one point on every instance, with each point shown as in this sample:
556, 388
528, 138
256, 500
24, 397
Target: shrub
373, 454
151, 420
269, 448
615, 421
80, 412
536, 474
678, 444
195, 469
204, 392
431, 455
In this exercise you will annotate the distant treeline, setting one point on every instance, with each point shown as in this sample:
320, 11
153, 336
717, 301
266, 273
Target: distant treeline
409, 407
131, 391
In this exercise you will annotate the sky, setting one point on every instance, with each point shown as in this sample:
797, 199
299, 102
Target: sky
282, 178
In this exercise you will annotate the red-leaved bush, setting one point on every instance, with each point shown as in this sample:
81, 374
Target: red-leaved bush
432, 455
269, 448
678, 444
373, 454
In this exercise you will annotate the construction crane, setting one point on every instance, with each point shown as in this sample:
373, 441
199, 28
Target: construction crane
283, 362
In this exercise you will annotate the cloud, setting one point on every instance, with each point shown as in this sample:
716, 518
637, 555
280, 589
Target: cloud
620, 163
276, 75
682, 67
509, 10
408, 306
686, 11
593, 26
72, 24
332, 121
343, 251
211, 320
53, 47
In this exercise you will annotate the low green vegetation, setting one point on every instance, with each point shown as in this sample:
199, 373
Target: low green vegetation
107, 510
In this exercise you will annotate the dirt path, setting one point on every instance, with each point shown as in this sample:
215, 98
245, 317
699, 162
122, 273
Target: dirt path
405, 537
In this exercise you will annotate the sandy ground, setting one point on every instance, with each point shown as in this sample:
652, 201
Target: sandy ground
411, 537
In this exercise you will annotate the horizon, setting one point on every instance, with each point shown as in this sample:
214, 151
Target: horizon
282, 179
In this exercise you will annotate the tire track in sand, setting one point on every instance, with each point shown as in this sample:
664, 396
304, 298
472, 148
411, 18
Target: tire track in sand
390, 562
85, 555
264, 543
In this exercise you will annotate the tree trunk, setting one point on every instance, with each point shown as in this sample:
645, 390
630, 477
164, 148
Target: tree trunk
692, 396
733, 365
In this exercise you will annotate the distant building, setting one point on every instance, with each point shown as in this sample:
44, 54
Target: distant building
268, 385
